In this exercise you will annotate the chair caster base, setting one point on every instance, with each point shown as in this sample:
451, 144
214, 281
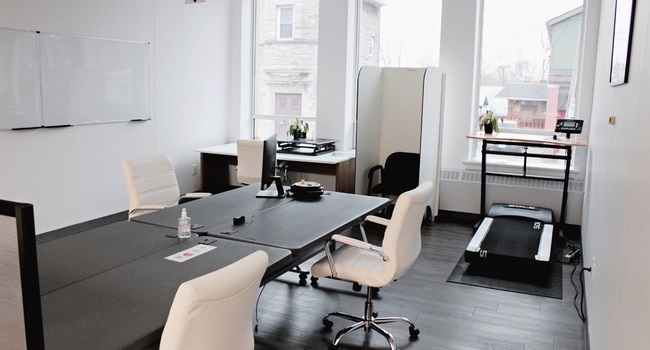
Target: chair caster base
328, 324
413, 332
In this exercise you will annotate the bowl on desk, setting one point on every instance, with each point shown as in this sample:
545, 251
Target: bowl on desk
307, 190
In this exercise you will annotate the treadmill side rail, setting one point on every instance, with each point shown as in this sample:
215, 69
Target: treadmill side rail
544, 251
475, 244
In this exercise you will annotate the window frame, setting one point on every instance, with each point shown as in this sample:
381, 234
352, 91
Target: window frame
473, 162
279, 25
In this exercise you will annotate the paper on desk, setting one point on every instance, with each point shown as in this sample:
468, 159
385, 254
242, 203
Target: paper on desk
190, 253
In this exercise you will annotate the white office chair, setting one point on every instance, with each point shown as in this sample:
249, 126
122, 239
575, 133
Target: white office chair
377, 266
214, 311
249, 161
152, 185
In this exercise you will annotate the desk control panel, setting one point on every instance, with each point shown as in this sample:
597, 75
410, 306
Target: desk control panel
569, 126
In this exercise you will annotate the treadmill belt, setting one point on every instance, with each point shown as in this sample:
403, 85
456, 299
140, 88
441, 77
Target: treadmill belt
514, 237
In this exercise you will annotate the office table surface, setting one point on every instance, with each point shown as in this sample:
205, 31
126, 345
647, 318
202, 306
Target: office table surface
68, 260
126, 307
302, 225
297, 225
215, 210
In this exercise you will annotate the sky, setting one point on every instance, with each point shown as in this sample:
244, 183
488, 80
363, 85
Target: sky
412, 27
522, 22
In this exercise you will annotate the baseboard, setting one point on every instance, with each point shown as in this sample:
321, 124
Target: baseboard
457, 217
81, 227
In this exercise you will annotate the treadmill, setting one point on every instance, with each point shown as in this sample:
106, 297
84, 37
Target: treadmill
512, 234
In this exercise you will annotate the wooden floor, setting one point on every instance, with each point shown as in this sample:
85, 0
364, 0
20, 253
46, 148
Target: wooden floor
449, 315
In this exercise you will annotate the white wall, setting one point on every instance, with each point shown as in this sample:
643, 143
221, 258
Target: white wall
617, 214
73, 174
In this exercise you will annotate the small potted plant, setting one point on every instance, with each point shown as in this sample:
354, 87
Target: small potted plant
489, 122
299, 129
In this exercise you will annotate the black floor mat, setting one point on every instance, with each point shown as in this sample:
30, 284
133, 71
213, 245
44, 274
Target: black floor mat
544, 281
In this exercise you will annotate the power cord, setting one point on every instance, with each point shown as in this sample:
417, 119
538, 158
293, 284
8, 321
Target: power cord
574, 257
256, 304
580, 310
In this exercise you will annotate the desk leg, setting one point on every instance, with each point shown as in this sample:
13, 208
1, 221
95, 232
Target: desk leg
483, 176
565, 190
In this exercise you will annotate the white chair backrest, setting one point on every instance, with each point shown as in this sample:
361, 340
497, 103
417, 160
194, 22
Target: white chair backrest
249, 161
150, 181
402, 241
215, 311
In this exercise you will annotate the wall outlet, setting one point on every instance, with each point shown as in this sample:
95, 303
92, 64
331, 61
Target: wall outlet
194, 169
612, 120
593, 268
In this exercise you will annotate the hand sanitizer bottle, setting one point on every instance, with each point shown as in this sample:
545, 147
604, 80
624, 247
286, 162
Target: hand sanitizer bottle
184, 225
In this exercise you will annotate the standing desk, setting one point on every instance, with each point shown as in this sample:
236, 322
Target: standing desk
526, 141
216, 160
112, 288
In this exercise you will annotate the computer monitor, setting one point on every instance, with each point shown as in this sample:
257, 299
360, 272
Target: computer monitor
269, 165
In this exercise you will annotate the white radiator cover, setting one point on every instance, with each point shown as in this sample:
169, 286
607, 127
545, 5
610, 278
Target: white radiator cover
460, 191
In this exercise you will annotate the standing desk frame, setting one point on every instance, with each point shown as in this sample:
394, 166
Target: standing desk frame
526, 142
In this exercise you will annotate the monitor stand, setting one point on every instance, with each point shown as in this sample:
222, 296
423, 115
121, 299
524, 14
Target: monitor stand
271, 192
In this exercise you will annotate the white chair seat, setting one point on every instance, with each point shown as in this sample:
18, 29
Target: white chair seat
353, 264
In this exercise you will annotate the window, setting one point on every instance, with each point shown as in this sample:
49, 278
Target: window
529, 62
286, 50
404, 33
285, 22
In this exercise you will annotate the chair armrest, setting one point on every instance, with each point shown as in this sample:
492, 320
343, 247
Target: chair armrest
371, 174
360, 244
150, 207
377, 220
349, 241
147, 207
197, 195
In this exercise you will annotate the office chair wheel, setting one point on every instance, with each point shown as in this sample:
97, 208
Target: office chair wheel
413, 332
332, 347
327, 323
314, 281
375, 292
356, 287
375, 314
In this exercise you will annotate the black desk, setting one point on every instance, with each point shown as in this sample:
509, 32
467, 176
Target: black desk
71, 259
124, 304
303, 226
111, 288
298, 225
215, 210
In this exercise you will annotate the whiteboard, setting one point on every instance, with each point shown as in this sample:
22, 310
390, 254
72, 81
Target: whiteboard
53, 79
88, 80
19, 82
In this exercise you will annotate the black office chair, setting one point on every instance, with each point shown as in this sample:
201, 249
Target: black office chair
401, 173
